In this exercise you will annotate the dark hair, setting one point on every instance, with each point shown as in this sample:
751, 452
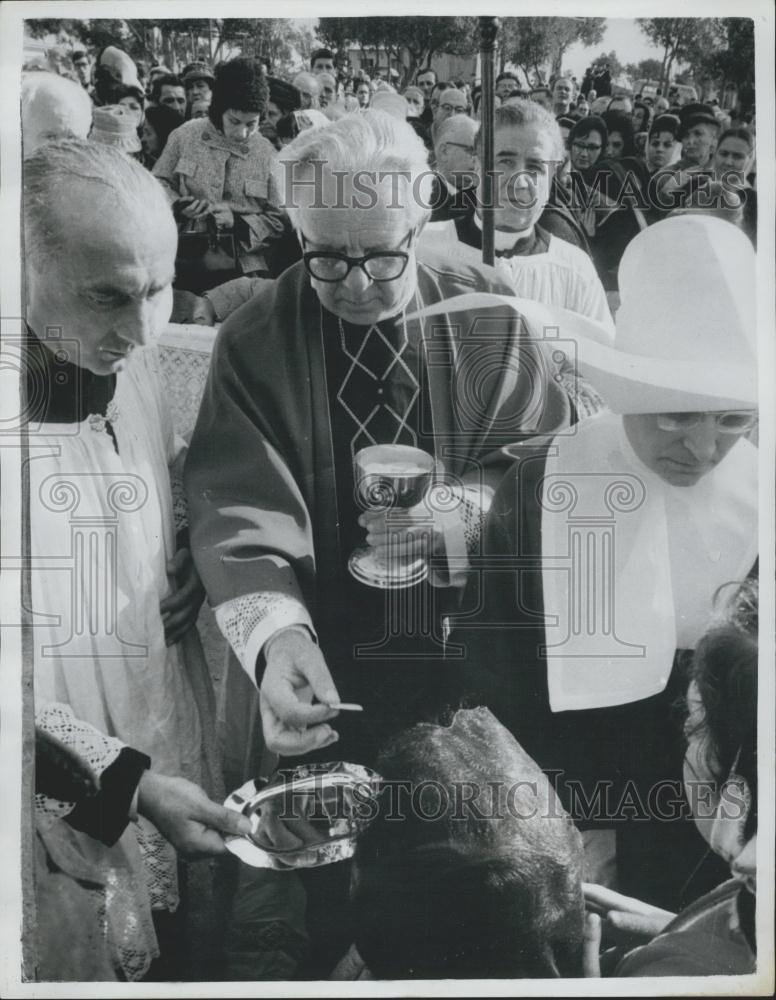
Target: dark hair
738, 132
665, 123
428, 69
507, 76
163, 121
647, 111
483, 891
287, 126
521, 112
621, 121
321, 54
284, 95
724, 667
167, 80
240, 84
121, 90
592, 123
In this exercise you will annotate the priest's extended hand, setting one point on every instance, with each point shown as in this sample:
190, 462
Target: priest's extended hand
193, 824
296, 672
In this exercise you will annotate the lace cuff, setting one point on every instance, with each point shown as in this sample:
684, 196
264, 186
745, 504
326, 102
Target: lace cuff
473, 519
95, 748
248, 621
180, 507
461, 522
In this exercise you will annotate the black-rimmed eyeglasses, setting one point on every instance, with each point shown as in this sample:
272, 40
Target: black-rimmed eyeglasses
378, 265
586, 147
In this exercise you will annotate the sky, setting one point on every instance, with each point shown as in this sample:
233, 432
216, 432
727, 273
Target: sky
623, 36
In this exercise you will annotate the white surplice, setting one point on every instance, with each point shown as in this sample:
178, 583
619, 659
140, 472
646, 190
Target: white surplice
102, 530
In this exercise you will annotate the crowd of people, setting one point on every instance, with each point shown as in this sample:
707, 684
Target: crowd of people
568, 682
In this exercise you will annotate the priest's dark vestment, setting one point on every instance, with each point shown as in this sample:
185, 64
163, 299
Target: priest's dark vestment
293, 392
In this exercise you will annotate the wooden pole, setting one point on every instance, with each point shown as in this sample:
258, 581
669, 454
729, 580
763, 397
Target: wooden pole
488, 31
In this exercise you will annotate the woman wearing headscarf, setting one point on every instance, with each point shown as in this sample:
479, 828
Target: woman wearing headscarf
217, 173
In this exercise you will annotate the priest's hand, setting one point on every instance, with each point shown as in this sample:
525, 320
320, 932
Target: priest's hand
403, 534
180, 810
180, 609
296, 672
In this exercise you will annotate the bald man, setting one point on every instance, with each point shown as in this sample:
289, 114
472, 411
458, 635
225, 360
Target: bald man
455, 152
309, 87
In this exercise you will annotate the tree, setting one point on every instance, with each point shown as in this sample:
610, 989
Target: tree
176, 41
568, 30
712, 52
530, 42
419, 38
609, 59
527, 43
645, 69
735, 62
265, 37
674, 35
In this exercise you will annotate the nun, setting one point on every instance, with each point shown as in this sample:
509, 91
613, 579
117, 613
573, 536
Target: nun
605, 545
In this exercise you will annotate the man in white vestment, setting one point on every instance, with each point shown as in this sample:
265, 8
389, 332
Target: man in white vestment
114, 593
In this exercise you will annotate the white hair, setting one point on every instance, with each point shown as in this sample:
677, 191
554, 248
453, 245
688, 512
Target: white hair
371, 144
49, 177
453, 126
308, 80
53, 107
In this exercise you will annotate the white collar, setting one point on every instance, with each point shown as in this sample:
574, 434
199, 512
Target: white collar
505, 240
611, 638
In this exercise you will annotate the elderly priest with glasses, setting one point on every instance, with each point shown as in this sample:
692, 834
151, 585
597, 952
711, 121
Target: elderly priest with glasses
325, 362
